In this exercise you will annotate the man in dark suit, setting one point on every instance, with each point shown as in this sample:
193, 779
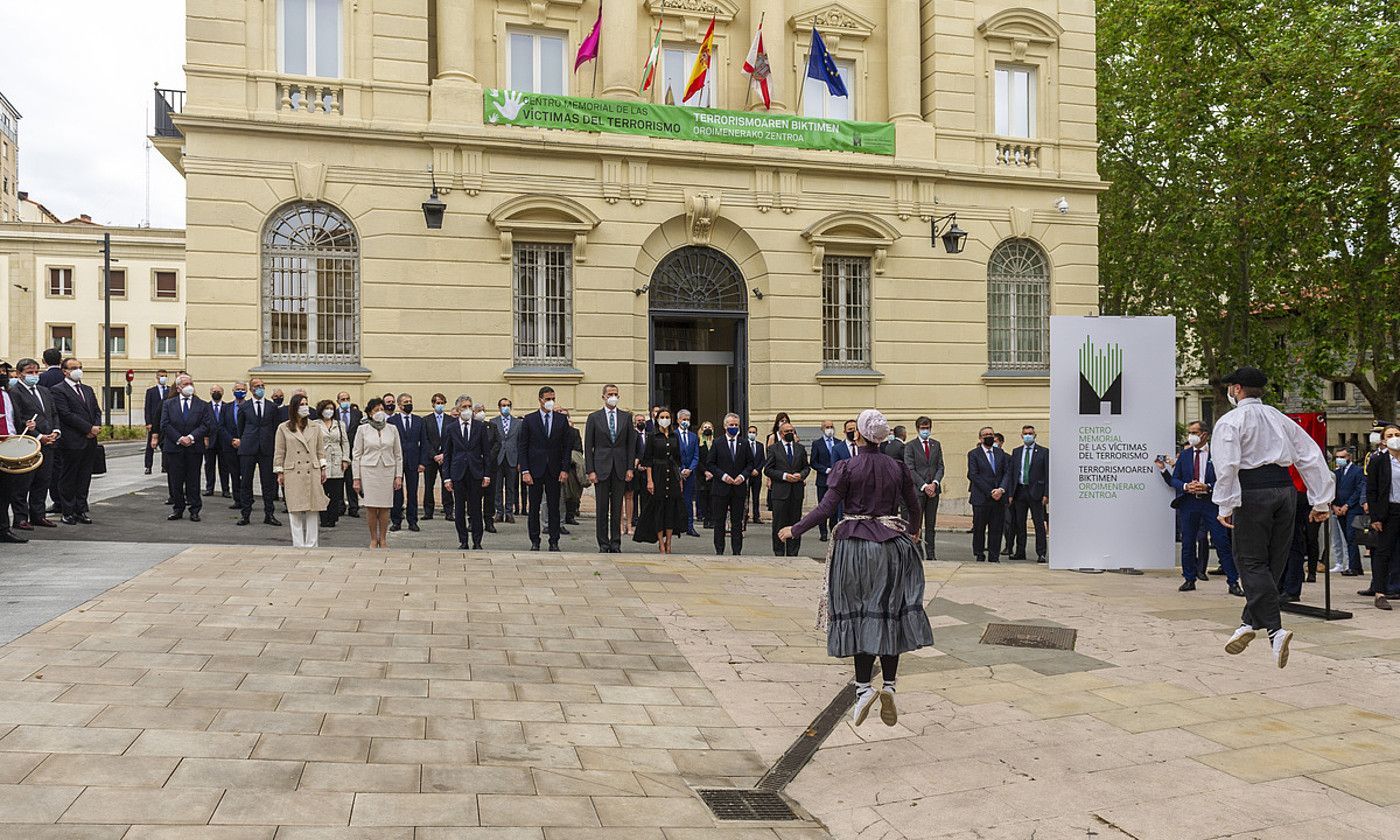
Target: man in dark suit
924, 458
543, 453
226, 423
1193, 478
218, 458
730, 470
786, 466
823, 457
690, 462
29, 399
434, 455
155, 400
80, 419
989, 481
1030, 493
351, 417
413, 441
757, 455
894, 446
255, 442
1351, 491
493, 458
51, 376
507, 431
185, 424
609, 450
465, 465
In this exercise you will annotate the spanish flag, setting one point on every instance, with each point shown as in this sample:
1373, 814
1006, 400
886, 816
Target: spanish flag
702, 64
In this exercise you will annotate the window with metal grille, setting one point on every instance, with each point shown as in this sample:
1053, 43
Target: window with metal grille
311, 287
846, 312
543, 303
1018, 307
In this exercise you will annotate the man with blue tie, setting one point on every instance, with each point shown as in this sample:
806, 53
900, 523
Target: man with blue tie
435, 456
155, 399
184, 427
1194, 480
507, 437
466, 449
786, 466
216, 459
543, 453
823, 459
1351, 491
1030, 494
690, 460
989, 482
256, 442
413, 441
609, 454
228, 430
730, 470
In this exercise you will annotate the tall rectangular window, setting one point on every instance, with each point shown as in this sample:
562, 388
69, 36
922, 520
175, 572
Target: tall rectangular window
817, 100
61, 339
118, 283
846, 312
116, 340
677, 62
543, 303
167, 342
116, 397
60, 282
167, 285
535, 62
1015, 100
311, 35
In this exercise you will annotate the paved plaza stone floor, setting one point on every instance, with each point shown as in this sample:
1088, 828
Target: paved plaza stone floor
232, 692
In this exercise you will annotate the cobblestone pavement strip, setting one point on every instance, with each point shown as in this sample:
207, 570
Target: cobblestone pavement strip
234, 692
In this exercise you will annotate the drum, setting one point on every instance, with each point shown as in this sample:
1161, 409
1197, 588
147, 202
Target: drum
20, 455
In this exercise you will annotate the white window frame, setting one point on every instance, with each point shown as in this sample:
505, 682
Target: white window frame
817, 100
155, 343
708, 93
311, 39
1005, 104
846, 308
71, 349
535, 36
68, 290
542, 321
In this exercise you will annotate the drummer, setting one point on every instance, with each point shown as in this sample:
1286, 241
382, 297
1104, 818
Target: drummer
10, 426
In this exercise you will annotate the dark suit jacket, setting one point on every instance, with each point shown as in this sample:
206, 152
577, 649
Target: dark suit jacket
1378, 489
227, 424
76, 414
925, 470
254, 438
51, 377
175, 423
603, 455
436, 443
217, 428
982, 479
465, 460
823, 458
777, 464
543, 455
739, 466
894, 447
1039, 486
39, 405
413, 440
1351, 487
1182, 475
758, 453
154, 400
842, 450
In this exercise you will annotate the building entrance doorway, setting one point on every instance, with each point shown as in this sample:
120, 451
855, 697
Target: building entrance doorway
699, 335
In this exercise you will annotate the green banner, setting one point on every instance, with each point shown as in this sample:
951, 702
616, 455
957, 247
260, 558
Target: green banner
617, 116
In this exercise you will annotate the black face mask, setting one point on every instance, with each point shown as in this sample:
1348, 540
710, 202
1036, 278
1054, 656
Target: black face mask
407, 408
708, 433
988, 440
216, 396
850, 435
789, 437
277, 400
641, 426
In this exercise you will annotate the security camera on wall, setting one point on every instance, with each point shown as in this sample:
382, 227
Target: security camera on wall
1062, 204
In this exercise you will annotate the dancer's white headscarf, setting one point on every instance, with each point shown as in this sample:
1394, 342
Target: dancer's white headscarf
873, 426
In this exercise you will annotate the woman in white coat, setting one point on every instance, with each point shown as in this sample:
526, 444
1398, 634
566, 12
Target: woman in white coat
299, 460
377, 463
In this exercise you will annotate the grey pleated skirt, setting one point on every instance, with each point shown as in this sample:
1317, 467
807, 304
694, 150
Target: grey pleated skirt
876, 599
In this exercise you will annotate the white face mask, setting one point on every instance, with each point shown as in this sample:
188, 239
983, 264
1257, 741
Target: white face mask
829, 433
303, 410
380, 417
465, 411
76, 374
1230, 395
663, 422
187, 391
1375, 438
1393, 443
611, 401
479, 416
327, 413
549, 405
1193, 440
161, 379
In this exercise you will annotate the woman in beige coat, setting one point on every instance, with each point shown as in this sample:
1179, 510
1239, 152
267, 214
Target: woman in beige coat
299, 460
377, 464
337, 460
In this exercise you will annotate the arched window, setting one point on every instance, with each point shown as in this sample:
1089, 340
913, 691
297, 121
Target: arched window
310, 287
1018, 307
695, 278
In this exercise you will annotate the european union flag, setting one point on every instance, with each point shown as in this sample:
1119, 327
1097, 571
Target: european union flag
822, 67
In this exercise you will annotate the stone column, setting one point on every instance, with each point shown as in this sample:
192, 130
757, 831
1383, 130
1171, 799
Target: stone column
903, 50
617, 51
773, 13
456, 34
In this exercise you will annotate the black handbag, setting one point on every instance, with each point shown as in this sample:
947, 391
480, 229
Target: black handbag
99, 461
1365, 535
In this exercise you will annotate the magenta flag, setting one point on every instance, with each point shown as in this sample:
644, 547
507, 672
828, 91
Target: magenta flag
588, 50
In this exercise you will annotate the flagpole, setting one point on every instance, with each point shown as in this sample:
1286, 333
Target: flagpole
599, 57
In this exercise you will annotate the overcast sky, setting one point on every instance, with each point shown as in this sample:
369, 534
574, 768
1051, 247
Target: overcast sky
81, 72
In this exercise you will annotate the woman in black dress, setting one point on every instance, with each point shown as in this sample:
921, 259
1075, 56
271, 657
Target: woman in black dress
663, 504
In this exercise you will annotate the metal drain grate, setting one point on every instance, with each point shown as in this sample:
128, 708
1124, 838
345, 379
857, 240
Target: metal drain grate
1030, 636
735, 805
791, 763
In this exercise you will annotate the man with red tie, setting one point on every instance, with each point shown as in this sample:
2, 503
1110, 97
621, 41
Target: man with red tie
1194, 480
80, 418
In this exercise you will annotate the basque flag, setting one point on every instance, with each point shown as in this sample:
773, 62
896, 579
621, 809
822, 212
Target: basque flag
822, 67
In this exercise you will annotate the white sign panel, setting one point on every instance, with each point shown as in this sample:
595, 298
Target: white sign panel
1112, 411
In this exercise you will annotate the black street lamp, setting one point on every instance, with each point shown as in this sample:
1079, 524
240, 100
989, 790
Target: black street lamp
953, 236
434, 208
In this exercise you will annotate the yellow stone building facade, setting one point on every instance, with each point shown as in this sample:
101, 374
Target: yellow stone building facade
710, 275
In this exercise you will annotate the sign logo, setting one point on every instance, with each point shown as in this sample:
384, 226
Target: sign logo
1100, 378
